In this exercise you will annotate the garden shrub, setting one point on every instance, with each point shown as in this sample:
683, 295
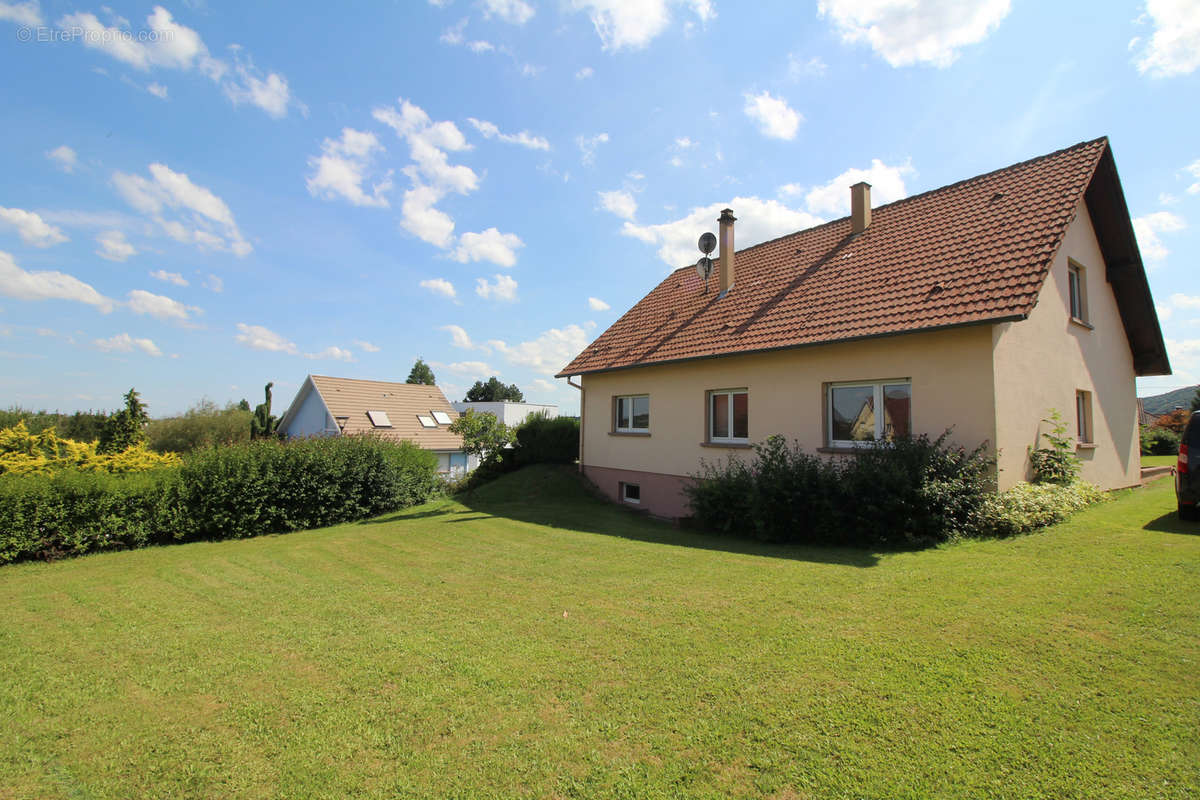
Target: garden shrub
203, 425
1056, 463
541, 440
43, 453
1028, 506
1159, 441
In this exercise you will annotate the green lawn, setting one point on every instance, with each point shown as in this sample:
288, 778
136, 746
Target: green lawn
538, 643
1159, 461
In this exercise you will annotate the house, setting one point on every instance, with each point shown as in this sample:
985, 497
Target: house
982, 305
416, 413
507, 411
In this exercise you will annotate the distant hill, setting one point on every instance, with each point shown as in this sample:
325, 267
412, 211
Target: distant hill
1162, 403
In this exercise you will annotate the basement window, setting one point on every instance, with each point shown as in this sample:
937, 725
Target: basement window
426, 422
631, 492
379, 419
441, 417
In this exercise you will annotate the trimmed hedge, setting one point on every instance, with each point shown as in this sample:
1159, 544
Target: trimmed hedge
540, 440
247, 490
1028, 506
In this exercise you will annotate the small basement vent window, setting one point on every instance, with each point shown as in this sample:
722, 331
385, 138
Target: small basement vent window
631, 492
426, 422
379, 419
441, 417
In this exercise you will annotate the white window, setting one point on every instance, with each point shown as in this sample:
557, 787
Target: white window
633, 414
379, 419
631, 492
426, 422
729, 416
1077, 291
1083, 417
853, 416
441, 417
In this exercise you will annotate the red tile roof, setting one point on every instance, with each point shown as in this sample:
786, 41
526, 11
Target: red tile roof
975, 251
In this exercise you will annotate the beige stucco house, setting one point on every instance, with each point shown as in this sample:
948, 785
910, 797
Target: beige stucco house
982, 305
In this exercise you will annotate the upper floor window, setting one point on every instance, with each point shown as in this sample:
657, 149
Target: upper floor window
868, 412
633, 414
1077, 291
729, 416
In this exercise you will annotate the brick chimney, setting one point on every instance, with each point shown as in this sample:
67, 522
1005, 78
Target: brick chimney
726, 221
860, 206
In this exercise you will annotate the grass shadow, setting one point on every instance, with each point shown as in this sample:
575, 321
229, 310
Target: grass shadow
1171, 523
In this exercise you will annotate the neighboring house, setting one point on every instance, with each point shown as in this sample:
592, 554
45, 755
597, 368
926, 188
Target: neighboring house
410, 412
508, 412
1145, 418
981, 305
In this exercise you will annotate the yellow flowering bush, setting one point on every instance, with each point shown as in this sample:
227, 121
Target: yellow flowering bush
25, 453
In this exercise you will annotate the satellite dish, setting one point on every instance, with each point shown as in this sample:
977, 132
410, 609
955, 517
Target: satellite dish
707, 243
704, 268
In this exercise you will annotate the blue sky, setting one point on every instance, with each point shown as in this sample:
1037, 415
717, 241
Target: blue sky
201, 197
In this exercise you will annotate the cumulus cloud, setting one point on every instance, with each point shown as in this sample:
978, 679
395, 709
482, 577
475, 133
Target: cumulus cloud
64, 158
584, 73
503, 289
1180, 300
124, 343
159, 306
1194, 169
596, 304
28, 13
523, 139
518, 12
271, 94
257, 337
114, 247
587, 147
32, 229
907, 32
1148, 227
332, 352
489, 245
549, 352
201, 212
439, 286
342, 167
47, 285
758, 221
214, 283
619, 202
1174, 47
158, 90
366, 346
543, 385
169, 277
458, 336
775, 118
633, 24
833, 198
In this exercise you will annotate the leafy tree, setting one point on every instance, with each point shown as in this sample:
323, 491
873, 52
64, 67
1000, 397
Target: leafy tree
126, 428
1173, 421
494, 391
244, 405
205, 424
1056, 463
483, 435
263, 424
421, 373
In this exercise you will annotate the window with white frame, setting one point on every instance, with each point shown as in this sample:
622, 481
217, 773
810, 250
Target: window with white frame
1083, 417
867, 412
633, 413
1077, 291
729, 416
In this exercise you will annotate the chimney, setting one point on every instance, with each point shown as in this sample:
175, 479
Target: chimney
860, 206
726, 221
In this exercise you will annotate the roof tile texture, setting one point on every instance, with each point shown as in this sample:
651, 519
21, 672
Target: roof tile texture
974, 251
353, 398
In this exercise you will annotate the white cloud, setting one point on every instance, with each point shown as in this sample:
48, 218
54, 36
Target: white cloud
470, 369
549, 352
419, 217
587, 147
1148, 228
619, 202
439, 286
833, 198
28, 13
214, 283
524, 138
342, 167
203, 210
169, 277
1194, 169
775, 118
633, 24
47, 285
159, 306
541, 384
366, 346
480, 46
518, 12
489, 245
171, 45
458, 336
64, 157
758, 221
1180, 300
1164, 312
332, 352
454, 34
114, 247
256, 337
32, 229
1174, 47
158, 90
271, 94
906, 32
596, 304
1185, 359
504, 289
124, 343
811, 67
585, 73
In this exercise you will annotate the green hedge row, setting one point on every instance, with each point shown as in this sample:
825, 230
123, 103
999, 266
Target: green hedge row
246, 490
540, 440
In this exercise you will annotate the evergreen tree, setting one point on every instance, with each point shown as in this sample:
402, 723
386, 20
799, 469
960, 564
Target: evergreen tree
125, 428
494, 391
263, 424
421, 373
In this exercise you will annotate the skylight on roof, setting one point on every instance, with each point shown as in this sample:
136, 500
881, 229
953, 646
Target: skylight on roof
379, 419
442, 417
426, 422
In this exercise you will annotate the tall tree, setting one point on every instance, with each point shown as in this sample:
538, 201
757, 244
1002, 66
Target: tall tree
125, 428
421, 373
494, 391
263, 423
